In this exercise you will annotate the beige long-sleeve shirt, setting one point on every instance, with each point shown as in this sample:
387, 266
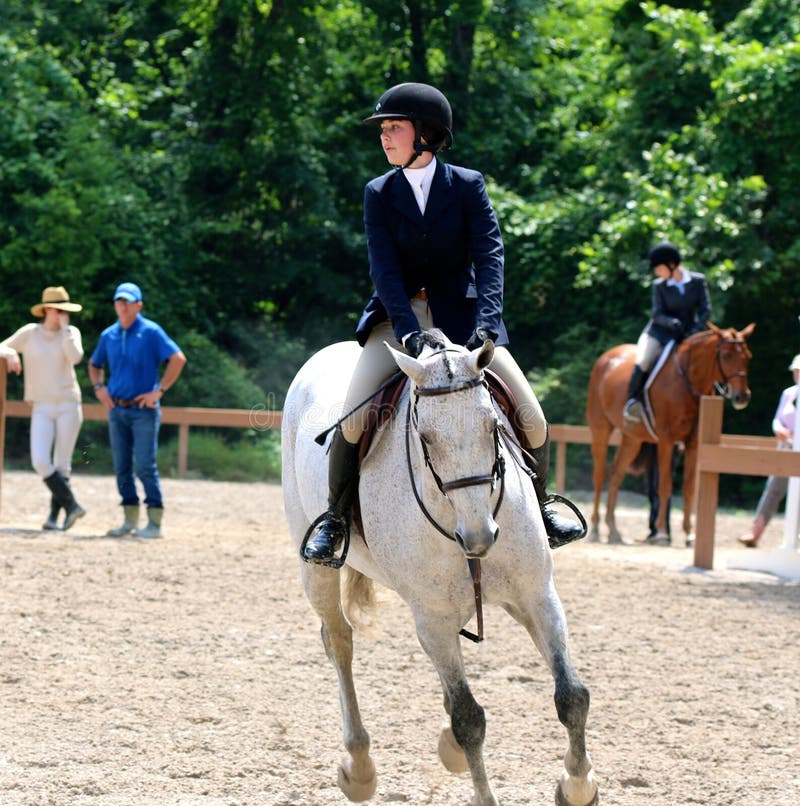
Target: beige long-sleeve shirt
49, 359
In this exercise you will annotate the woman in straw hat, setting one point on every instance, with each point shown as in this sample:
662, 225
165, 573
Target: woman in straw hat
51, 349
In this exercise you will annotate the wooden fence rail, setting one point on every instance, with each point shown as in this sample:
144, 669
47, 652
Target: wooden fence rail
720, 453
717, 452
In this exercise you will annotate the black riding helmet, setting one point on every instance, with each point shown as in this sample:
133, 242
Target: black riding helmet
666, 253
425, 107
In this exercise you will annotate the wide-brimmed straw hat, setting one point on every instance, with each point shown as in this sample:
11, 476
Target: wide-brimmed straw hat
795, 363
55, 297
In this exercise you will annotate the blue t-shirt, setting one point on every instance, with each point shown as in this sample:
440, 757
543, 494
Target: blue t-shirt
133, 356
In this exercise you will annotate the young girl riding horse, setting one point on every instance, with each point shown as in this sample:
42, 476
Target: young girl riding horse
681, 306
436, 260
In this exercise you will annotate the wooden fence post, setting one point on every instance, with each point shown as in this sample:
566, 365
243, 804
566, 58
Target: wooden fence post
707, 486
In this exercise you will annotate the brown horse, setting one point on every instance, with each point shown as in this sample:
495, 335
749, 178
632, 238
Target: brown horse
713, 357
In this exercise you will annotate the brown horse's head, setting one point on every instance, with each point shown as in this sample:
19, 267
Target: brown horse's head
732, 359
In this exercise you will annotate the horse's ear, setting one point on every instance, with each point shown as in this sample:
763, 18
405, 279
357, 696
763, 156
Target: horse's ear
409, 365
712, 326
482, 356
745, 334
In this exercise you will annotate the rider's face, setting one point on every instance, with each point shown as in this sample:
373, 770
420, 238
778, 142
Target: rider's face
397, 141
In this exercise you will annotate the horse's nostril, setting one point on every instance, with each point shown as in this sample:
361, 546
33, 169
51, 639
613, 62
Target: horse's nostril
496, 535
459, 539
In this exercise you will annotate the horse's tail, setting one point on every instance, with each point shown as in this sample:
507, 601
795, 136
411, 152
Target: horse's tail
645, 457
358, 601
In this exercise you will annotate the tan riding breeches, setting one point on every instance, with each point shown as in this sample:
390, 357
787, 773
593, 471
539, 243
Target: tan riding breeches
375, 365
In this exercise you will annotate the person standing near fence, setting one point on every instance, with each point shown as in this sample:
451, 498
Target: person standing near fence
134, 348
775, 489
51, 349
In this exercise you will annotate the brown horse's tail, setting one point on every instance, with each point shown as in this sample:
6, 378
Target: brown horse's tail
641, 464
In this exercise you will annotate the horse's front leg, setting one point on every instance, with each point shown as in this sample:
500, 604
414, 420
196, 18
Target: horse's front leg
356, 778
439, 638
544, 619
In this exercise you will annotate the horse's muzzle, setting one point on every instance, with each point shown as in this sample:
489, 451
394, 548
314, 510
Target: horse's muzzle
477, 545
740, 400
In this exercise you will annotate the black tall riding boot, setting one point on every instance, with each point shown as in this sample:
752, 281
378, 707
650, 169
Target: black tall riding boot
60, 489
560, 531
633, 406
342, 487
51, 521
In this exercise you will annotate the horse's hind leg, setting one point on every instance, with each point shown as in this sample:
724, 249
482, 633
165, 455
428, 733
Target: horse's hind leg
467, 729
547, 626
357, 778
600, 439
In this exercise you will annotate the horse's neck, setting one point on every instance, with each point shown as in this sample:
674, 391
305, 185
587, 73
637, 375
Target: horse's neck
697, 361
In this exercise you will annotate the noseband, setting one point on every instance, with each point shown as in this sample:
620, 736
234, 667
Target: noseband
498, 467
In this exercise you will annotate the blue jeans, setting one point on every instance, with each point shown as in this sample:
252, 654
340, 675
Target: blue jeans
134, 443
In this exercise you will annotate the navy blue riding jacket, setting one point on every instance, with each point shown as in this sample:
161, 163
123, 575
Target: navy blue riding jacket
454, 251
676, 315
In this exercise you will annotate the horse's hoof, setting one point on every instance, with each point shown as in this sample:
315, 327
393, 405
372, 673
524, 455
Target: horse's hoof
690, 540
614, 538
577, 791
450, 752
594, 535
357, 788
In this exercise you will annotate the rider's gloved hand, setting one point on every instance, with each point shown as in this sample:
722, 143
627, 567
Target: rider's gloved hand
414, 342
676, 326
479, 338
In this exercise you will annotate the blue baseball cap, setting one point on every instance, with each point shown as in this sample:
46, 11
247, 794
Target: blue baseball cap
130, 292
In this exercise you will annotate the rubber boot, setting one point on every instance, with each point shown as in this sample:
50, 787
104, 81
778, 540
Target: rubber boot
342, 487
560, 531
130, 523
153, 528
60, 489
633, 408
52, 519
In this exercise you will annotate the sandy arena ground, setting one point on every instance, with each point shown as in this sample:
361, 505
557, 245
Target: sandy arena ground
189, 670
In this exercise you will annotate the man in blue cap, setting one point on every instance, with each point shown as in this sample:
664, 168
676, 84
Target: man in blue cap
134, 348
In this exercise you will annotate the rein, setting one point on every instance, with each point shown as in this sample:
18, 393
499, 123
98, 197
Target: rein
497, 473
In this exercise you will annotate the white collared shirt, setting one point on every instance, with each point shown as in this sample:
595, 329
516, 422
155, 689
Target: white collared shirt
680, 284
421, 180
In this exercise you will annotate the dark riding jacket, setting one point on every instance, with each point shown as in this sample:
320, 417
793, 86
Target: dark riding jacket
676, 315
454, 251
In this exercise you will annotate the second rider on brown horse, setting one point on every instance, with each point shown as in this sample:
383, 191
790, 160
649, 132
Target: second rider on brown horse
681, 306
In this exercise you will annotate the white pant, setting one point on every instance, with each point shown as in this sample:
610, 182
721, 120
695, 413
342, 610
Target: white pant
648, 349
375, 365
54, 432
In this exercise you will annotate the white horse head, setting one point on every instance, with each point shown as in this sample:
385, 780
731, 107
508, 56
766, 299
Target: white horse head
453, 432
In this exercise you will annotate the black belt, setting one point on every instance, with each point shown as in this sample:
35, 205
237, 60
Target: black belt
126, 404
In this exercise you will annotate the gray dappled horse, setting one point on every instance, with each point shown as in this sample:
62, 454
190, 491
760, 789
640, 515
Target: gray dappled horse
446, 416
